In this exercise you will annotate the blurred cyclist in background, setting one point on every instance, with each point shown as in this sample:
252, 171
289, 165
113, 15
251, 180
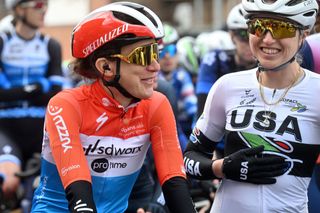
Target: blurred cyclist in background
208, 41
221, 61
96, 136
179, 77
30, 74
311, 49
189, 56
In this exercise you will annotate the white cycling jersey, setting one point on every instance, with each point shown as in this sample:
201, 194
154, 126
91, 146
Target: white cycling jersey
289, 129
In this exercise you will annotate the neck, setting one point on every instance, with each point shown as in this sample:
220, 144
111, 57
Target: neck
25, 31
282, 78
115, 94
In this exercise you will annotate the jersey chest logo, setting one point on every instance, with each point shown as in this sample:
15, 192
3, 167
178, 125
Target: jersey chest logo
101, 120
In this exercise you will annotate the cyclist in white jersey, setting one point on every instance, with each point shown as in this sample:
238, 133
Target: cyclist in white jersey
269, 117
30, 73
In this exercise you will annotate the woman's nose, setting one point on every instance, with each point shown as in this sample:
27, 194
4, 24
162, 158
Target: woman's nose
154, 66
268, 38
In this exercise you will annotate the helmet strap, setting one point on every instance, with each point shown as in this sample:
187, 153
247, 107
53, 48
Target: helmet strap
262, 69
115, 83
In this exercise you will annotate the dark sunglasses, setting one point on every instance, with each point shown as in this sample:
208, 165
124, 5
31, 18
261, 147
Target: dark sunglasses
143, 55
242, 34
171, 49
278, 29
38, 5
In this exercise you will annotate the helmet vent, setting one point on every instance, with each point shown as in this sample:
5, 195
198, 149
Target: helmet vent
126, 18
309, 14
240, 11
294, 2
132, 20
269, 1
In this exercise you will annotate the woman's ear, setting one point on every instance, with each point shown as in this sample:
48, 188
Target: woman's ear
232, 36
104, 66
305, 33
303, 36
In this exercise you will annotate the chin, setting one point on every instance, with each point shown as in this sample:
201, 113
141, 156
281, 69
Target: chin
146, 95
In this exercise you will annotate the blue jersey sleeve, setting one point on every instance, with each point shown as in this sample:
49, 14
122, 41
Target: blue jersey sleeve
207, 73
306, 53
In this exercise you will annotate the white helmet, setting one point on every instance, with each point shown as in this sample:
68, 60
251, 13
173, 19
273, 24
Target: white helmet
11, 4
221, 40
303, 12
236, 19
218, 39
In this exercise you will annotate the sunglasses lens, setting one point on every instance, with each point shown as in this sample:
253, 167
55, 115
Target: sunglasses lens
39, 5
256, 28
278, 29
242, 34
170, 49
144, 55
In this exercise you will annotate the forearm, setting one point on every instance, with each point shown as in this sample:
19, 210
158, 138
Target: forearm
44, 98
201, 166
198, 158
80, 197
177, 195
20, 93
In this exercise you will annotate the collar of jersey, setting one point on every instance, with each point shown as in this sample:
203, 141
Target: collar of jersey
104, 98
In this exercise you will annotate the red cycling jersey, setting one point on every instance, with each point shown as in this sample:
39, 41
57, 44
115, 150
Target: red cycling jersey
90, 136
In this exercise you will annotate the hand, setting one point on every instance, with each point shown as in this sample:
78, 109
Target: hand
141, 210
245, 166
11, 182
33, 89
153, 207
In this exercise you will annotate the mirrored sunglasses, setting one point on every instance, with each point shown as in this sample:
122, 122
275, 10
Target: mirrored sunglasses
278, 29
35, 4
242, 34
171, 49
143, 55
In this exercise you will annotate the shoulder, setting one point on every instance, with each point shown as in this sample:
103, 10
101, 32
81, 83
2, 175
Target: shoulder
313, 38
239, 77
312, 75
73, 95
53, 43
156, 100
157, 97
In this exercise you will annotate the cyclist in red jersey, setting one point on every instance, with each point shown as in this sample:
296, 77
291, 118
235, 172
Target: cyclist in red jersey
96, 136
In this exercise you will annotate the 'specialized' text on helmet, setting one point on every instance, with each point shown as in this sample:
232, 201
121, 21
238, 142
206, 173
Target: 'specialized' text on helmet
236, 19
302, 12
110, 23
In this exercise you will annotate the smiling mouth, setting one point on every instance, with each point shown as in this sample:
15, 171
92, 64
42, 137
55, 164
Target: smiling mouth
270, 51
149, 80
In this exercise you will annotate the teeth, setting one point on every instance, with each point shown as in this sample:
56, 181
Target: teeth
148, 80
270, 51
